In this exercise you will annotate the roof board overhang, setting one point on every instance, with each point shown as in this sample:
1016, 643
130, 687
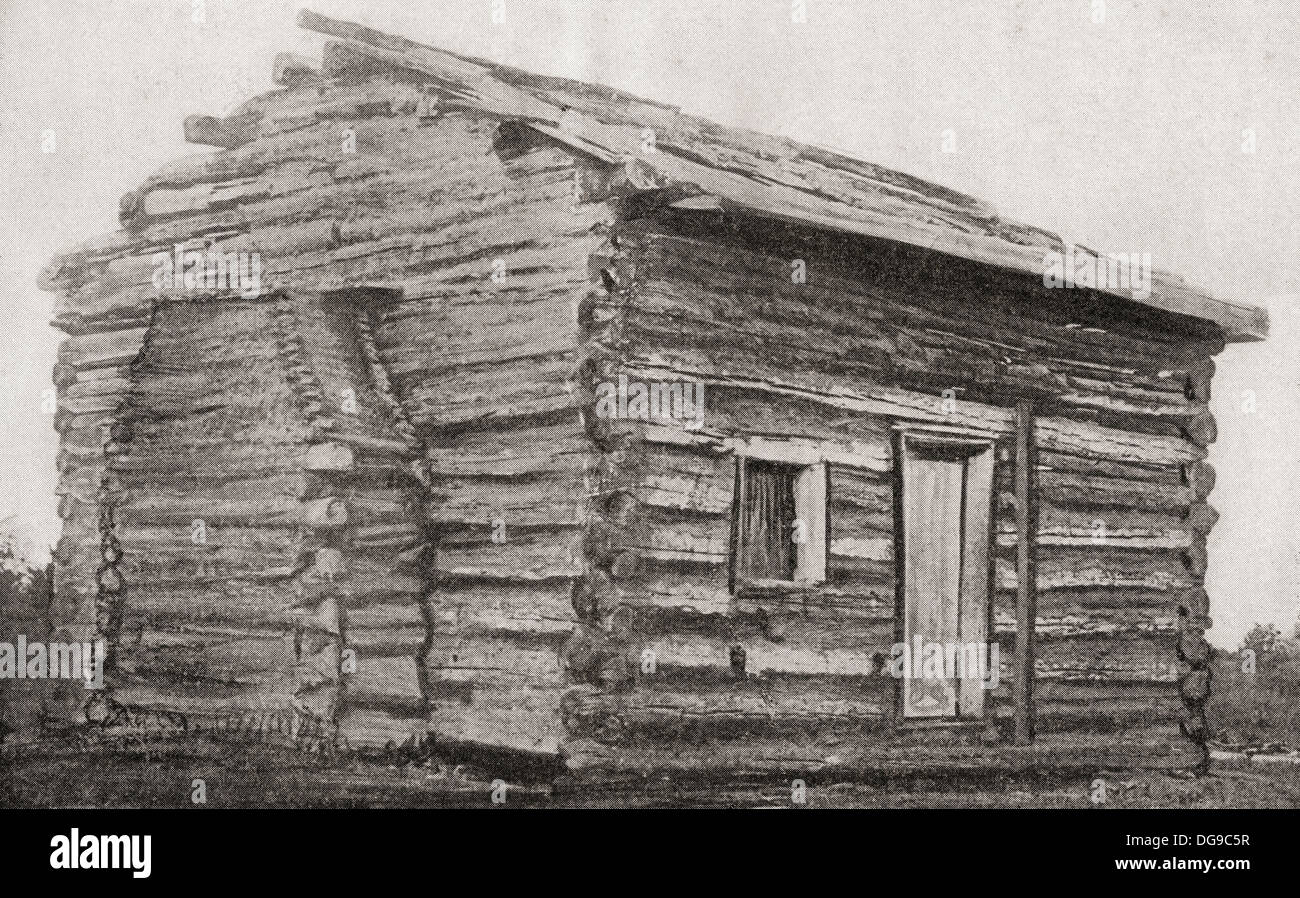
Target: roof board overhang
758, 173
715, 166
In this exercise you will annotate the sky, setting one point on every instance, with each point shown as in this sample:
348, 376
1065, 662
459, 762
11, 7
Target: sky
1170, 128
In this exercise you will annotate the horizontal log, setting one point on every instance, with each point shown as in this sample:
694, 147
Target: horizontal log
179, 567
365, 580
671, 585
528, 556
520, 611
1057, 434
537, 500
1128, 471
1108, 491
670, 477
398, 539
89, 396
200, 470
99, 350
230, 604
1107, 612
512, 389
1149, 748
382, 616
512, 452
667, 535
385, 682
741, 412
375, 505
226, 656
461, 664
272, 512
1064, 706
1131, 657
685, 652
1064, 568
387, 641
1109, 444
739, 710
518, 720
1100, 534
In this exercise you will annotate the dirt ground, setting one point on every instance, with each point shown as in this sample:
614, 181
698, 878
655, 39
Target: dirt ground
165, 775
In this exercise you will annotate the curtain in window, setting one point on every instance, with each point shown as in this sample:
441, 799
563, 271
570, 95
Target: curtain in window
768, 550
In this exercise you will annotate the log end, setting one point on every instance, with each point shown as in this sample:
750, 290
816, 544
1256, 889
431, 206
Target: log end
226, 133
625, 566
327, 457
326, 514
1201, 429
292, 70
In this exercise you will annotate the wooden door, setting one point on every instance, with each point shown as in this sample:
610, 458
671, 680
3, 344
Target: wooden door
946, 494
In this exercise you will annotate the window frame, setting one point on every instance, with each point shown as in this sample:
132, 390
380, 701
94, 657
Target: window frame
814, 495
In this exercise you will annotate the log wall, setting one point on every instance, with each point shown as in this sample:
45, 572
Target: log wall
399, 570
484, 356
872, 338
469, 551
260, 508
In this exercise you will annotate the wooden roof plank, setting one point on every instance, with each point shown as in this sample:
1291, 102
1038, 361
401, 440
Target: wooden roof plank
769, 176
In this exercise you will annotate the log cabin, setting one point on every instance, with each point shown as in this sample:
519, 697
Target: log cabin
413, 489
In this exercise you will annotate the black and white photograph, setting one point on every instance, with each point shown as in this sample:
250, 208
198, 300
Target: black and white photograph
638, 407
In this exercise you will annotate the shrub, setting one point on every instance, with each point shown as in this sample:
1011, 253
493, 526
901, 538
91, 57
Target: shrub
1256, 690
24, 600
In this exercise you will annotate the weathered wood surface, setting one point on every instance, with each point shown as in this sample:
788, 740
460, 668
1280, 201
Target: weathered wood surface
1117, 480
417, 525
231, 517
746, 171
839, 760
